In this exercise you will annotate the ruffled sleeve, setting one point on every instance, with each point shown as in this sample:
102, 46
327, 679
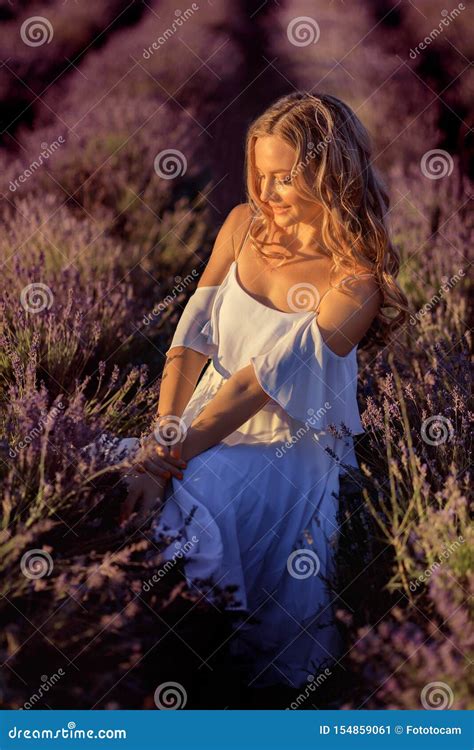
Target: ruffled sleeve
196, 314
307, 379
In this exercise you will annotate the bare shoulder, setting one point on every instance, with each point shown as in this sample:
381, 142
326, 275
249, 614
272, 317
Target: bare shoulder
347, 310
223, 252
360, 288
239, 219
241, 213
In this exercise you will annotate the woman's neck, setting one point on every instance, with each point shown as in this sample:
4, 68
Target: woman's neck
302, 240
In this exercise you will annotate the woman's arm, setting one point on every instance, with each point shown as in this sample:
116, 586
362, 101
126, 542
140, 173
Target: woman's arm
183, 365
181, 373
238, 399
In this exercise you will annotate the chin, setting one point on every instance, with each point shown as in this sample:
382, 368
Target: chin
285, 219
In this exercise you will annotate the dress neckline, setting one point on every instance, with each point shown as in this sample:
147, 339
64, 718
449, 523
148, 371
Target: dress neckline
266, 307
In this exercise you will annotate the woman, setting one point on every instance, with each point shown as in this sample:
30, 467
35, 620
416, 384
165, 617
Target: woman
247, 460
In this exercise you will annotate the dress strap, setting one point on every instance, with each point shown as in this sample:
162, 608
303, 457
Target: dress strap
244, 239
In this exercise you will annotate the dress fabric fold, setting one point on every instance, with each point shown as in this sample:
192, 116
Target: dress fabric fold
259, 509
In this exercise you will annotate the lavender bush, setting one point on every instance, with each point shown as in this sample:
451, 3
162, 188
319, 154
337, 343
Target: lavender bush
39, 45
413, 519
105, 234
73, 578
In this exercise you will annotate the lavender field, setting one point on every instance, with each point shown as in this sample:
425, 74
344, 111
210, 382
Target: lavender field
121, 153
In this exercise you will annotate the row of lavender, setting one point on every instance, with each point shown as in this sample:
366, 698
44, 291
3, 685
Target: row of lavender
108, 203
97, 235
40, 45
406, 566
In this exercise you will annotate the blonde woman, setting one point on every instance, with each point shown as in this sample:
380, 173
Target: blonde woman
245, 459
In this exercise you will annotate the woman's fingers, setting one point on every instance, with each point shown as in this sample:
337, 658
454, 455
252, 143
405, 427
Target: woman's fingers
150, 466
176, 451
145, 492
134, 493
159, 466
158, 460
153, 492
171, 455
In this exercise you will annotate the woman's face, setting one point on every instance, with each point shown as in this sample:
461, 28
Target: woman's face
274, 160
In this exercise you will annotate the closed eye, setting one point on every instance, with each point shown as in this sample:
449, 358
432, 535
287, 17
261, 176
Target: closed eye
279, 181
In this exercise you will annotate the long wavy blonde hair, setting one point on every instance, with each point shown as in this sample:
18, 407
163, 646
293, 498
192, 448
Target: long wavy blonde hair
333, 168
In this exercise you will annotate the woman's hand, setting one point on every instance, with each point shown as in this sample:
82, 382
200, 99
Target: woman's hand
144, 493
162, 461
150, 469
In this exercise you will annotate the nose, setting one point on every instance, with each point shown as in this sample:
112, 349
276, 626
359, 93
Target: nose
267, 189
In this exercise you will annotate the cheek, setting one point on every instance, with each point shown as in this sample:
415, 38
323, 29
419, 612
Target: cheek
303, 209
290, 196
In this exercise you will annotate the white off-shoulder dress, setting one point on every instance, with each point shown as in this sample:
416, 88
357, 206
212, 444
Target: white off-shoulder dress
258, 510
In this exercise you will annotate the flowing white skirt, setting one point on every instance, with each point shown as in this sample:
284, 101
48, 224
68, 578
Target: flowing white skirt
258, 511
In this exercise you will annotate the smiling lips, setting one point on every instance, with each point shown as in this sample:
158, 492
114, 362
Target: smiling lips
279, 209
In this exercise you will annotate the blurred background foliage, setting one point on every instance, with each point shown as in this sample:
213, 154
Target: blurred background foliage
110, 240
